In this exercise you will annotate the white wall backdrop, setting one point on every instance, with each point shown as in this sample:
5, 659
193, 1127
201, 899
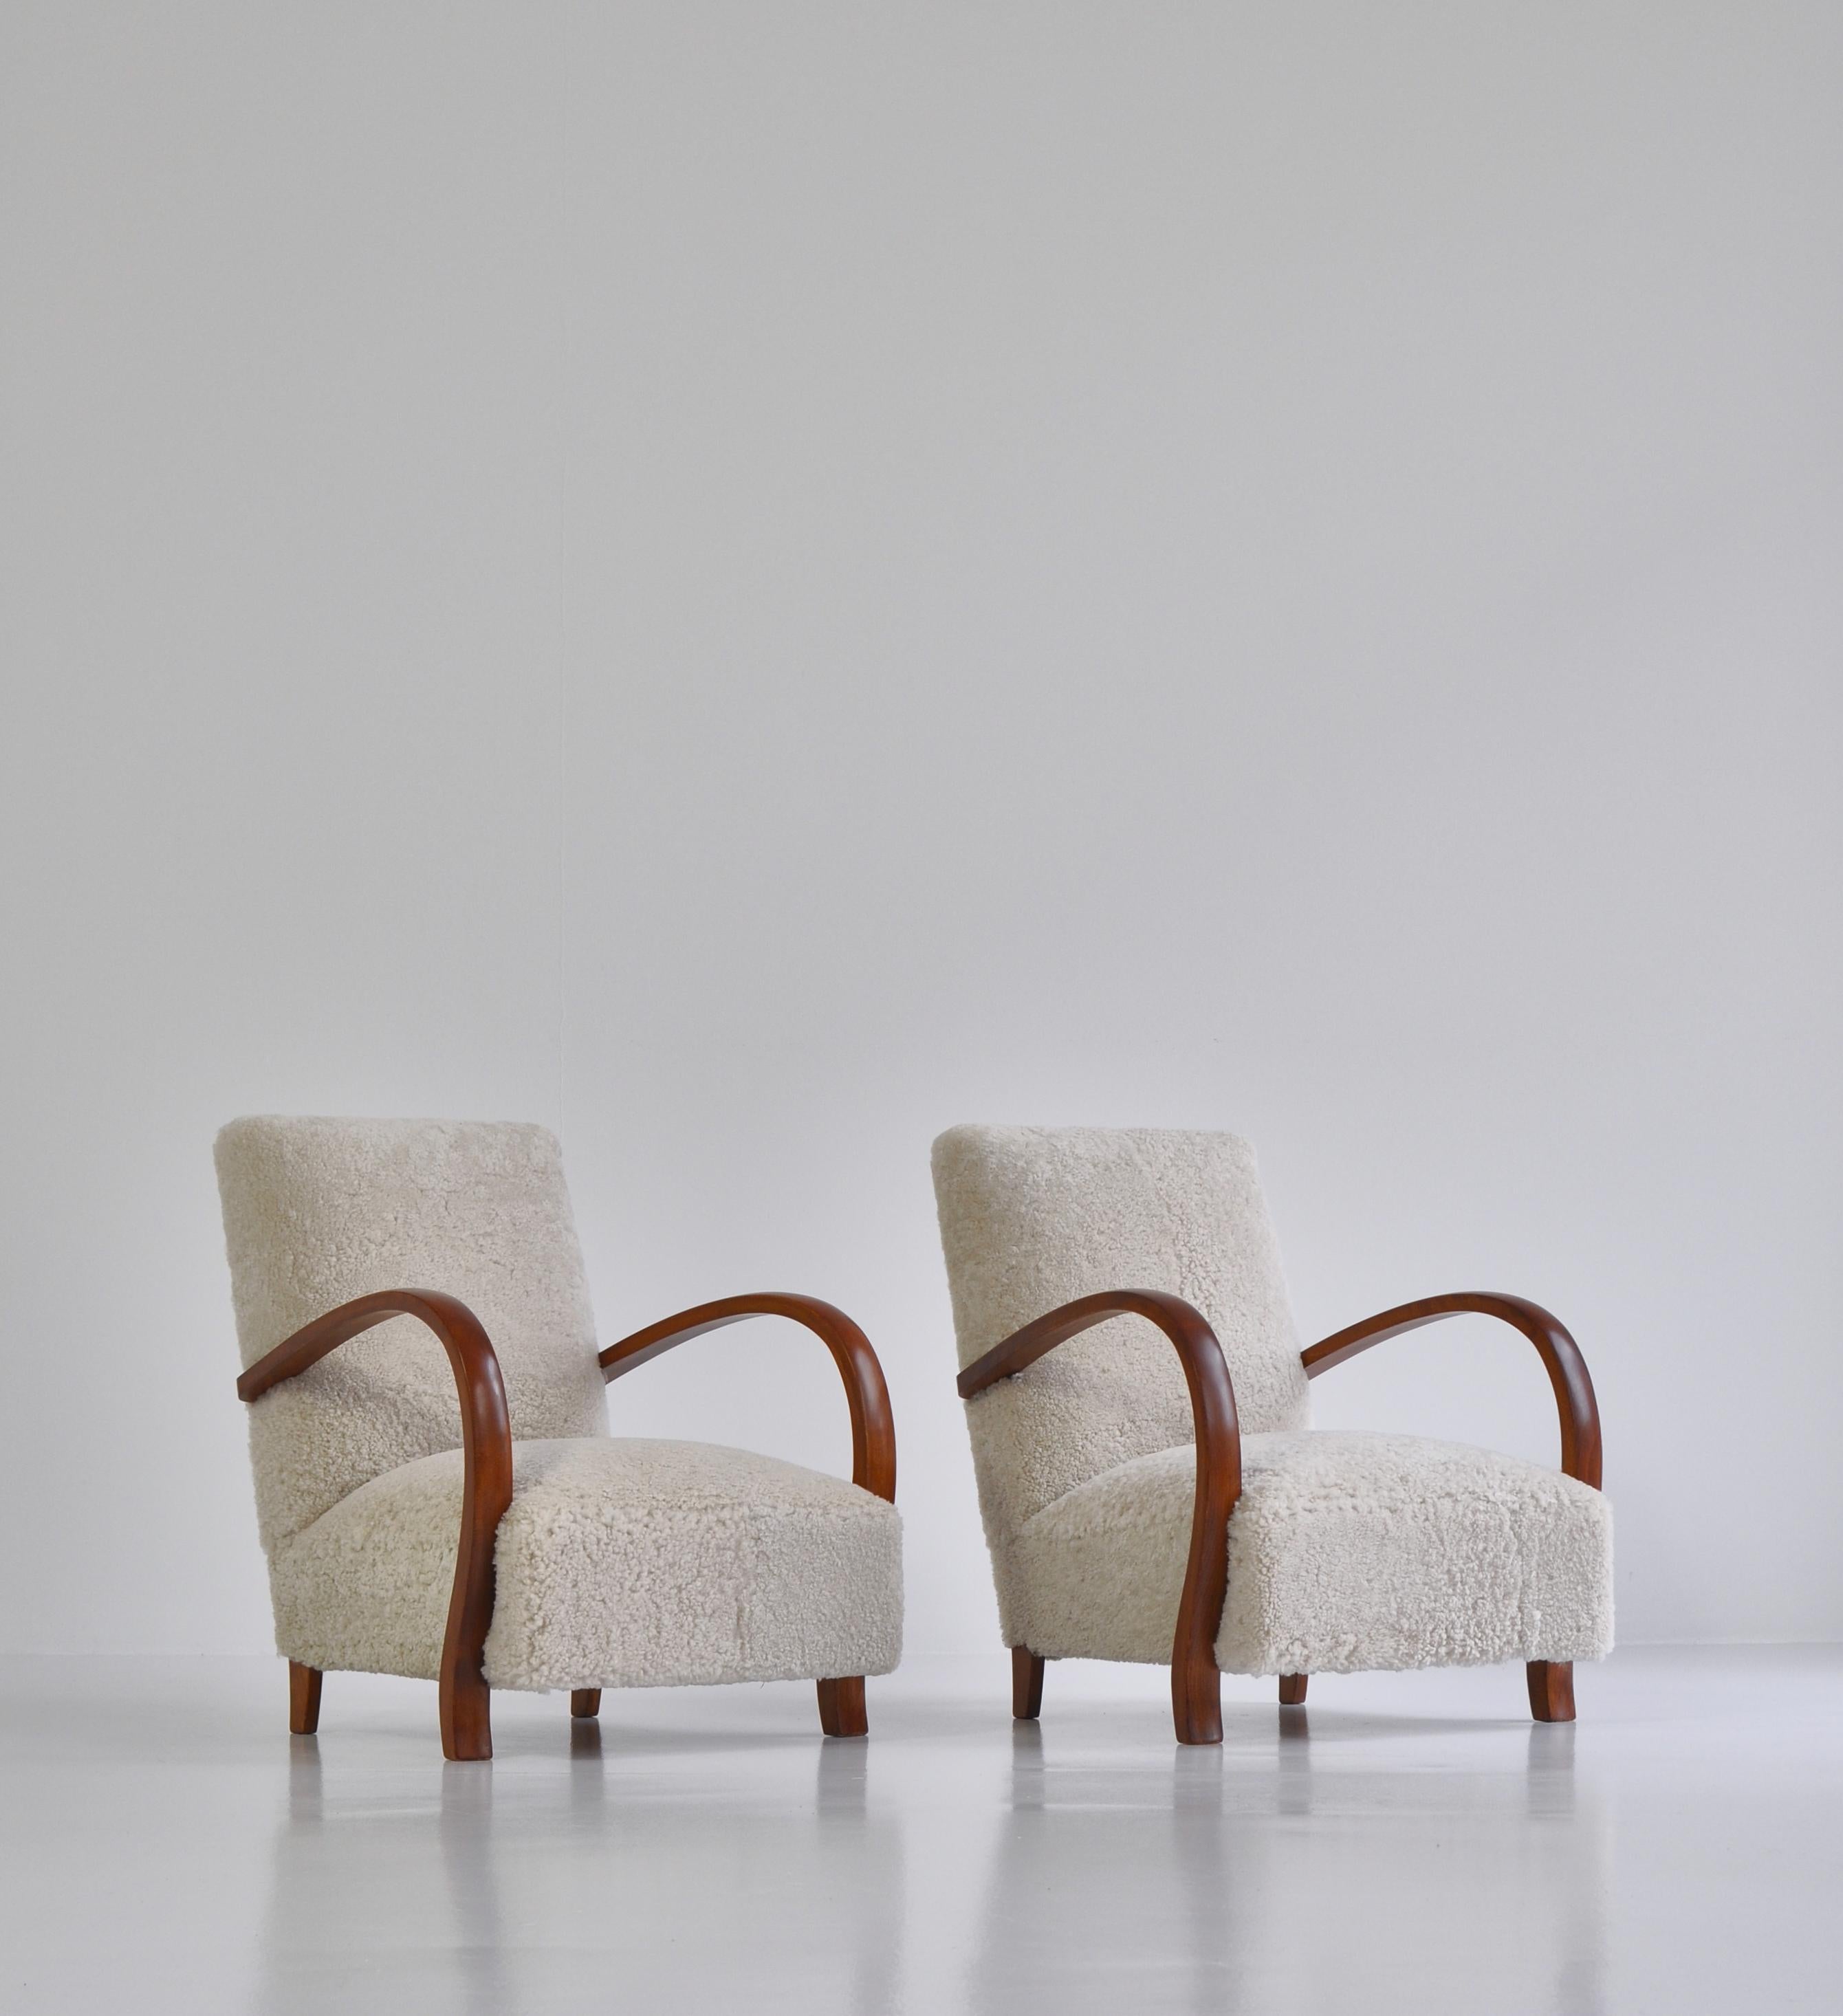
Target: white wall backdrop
279, 468
758, 583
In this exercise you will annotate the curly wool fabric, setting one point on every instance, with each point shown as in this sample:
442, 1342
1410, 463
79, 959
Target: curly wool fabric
619, 1562
1347, 1553
317, 1212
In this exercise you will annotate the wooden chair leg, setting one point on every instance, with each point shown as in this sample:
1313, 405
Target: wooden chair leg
303, 1698
1027, 1684
585, 1703
1196, 1698
1551, 1690
1292, 1690
841, 1707
467, 1712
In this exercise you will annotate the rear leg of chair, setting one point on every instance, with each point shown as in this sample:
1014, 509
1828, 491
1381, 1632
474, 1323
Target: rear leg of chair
585, 1703
841, 1707
303, 1698
1292, 1690
1027, 1684
1551, 1690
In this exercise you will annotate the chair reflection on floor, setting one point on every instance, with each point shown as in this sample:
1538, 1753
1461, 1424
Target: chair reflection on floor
476, 1943
1093, 1896
588, 1874
1216, 1894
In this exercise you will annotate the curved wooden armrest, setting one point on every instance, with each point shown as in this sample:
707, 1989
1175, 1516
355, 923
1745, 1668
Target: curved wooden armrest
873, 1428
486, 1441
1196, 1685
1560, 1354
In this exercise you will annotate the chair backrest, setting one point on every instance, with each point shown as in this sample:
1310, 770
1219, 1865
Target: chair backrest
1034, 1217
318, 1212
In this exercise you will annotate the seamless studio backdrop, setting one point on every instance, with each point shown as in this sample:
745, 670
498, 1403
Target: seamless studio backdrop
752, 584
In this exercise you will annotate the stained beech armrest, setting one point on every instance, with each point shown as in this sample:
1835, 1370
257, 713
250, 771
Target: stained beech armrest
1195, 1683
486, 1441
1560, 1354
873, 1428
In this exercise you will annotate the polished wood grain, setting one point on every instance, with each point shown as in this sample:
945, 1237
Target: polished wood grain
841, 1707
1027, 1684
486, 1490
303, 1698
1551, 1690
873, 1428
585, 1704
1292, 1690
1551, 1682
1196, 1685
1561, 1355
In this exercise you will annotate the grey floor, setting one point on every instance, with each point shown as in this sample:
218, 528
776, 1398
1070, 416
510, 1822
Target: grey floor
1405, 1843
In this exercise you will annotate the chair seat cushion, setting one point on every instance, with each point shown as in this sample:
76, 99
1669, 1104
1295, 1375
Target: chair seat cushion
620, 1563
1348, 1552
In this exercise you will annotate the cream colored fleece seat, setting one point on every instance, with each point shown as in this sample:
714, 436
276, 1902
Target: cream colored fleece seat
1346, 1552
621, 1563
618, 1563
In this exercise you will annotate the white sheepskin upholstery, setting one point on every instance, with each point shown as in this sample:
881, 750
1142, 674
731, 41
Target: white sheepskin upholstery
1347, 1552
318, 1211
619, 1563
1032, 1217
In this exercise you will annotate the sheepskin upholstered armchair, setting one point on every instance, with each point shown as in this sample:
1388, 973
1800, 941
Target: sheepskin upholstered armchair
1152, 1489
472, 1521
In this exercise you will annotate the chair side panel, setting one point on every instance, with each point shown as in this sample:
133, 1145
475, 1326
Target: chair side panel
317, 1212
1032, 1218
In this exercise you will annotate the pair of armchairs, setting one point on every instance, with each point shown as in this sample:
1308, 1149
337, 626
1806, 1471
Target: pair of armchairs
1151, 1489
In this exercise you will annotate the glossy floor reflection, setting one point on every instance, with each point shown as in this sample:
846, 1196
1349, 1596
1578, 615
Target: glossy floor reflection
1408, 1843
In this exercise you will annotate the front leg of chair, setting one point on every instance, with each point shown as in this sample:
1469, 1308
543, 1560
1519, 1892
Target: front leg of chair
1196, 1695
585, 1704
841, 1707
1027, 1684
1196, 1685
486, 1492
873, 1431
486, 1488
466, 1713
1551, 1681
1551, 1690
